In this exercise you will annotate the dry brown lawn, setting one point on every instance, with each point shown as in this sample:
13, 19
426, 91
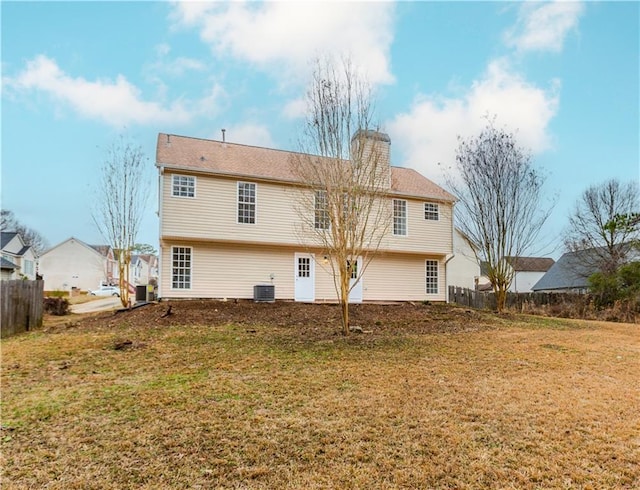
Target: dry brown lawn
271, 396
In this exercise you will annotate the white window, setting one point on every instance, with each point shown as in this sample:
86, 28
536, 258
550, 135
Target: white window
181, 267
246, 202
183, 186
28, 267
431, 211
432, 276
399, 217
322, 221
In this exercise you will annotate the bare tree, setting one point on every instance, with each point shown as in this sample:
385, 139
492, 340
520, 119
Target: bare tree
344, 169
122, 195
32, 238
604, 222
499, 206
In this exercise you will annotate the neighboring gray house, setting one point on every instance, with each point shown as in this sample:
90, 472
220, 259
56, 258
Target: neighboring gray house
17, 254
570, 274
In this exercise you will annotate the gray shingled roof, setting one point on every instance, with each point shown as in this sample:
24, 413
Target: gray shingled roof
7, 264
569, 272
7, 236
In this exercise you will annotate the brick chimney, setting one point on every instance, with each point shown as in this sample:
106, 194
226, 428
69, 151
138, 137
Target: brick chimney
372, 149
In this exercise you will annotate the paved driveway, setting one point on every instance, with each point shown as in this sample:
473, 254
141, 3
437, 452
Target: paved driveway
102, 304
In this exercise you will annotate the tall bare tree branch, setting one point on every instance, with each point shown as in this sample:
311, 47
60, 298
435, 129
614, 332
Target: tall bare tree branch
604, 222
344, 168
499, 193
123, 190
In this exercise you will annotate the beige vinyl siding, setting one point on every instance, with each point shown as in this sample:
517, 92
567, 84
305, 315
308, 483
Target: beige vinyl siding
212, 215
227, 271
423, 235
222, 270
401, 277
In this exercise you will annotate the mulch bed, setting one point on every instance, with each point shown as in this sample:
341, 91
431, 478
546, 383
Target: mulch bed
311, 321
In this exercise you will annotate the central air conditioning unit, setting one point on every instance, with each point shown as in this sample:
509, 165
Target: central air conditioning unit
265, 293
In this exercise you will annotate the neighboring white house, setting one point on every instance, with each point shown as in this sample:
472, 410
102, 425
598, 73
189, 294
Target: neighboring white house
528, 271
143, 269
73, 264
463, 270
19, 259
228, 223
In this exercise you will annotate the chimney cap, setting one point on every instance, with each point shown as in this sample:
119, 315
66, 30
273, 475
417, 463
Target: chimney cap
371, 134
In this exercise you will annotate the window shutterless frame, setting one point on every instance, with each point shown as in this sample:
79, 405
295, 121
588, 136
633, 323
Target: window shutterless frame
183, 186
181, 267
431, 277
400, 217
431, 211
246, 202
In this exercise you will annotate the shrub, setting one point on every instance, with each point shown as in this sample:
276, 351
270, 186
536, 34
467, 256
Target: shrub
56, 306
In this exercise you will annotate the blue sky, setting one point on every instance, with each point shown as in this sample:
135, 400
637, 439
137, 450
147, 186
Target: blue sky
75, 75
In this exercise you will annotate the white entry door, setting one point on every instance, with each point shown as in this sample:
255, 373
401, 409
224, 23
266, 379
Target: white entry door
356, 293
304, 277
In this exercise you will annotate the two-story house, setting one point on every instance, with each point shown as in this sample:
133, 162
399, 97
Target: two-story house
18, 258
228, 222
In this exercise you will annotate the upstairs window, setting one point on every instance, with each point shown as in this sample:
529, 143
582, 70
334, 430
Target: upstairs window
431, 211
183, 186
399, 217
321, 220
432, 277
246, 202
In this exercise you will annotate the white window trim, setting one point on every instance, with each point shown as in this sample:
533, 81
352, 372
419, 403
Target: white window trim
255, 204
326, 210
190, 272
437, 211
437, 277
406, 218
173, 176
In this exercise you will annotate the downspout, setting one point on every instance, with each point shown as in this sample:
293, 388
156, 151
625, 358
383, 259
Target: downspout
448, 257
159, 212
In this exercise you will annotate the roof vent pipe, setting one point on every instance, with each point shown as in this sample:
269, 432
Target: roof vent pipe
223, 138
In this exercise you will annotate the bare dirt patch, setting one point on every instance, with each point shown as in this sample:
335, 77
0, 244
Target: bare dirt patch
308, 321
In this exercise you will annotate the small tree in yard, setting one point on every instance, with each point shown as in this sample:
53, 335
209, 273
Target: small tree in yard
121, 200
606, 220
343, 167
499, 194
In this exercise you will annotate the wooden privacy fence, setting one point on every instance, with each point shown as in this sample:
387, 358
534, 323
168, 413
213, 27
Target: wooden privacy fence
516, 301
21, 306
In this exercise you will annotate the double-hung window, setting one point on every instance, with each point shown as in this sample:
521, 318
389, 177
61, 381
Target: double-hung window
321, 219
431, 277
246, 202
181, 267
431, 211
183, 186
399, 217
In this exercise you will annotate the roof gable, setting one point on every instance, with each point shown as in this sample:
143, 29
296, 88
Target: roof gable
72, 239
232, 159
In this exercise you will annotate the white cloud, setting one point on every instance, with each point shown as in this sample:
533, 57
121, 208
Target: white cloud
117, 103
249, 134
544, 26
282, 37
295, 109
427, 134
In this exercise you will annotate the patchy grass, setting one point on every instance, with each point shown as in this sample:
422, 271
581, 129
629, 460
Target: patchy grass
524, 403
